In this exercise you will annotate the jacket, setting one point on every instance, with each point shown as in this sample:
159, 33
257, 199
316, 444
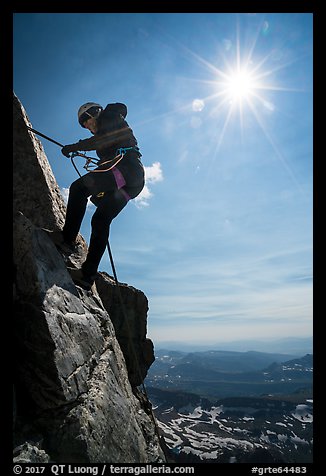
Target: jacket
112, 133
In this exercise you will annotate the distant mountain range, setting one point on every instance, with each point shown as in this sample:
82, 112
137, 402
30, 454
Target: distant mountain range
233, 407
297, 346
218, 374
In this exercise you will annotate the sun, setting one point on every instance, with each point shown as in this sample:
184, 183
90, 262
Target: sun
240, 85
241, 91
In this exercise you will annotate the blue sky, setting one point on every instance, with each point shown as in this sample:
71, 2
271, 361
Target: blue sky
220, 241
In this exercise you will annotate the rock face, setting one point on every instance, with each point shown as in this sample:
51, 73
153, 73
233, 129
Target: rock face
36, 193
78, 363
131, 332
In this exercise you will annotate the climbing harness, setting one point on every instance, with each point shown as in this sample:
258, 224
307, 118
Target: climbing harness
92, 162
120, 153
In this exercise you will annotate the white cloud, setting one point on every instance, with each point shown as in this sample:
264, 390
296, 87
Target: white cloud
153, 174
143, 197
65, 194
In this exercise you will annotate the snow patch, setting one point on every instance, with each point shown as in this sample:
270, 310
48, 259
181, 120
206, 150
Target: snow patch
303, 413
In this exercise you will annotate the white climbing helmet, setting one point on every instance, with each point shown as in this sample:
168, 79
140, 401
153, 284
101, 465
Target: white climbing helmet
89, 109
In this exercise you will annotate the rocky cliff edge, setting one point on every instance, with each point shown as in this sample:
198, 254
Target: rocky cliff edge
78, 364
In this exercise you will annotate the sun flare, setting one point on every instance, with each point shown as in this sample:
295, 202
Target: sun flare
242, 90
240, 85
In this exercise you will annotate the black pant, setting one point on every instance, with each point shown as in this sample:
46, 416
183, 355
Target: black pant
108, 207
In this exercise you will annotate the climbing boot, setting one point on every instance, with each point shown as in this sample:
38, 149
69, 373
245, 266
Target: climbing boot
79, 278
59, 241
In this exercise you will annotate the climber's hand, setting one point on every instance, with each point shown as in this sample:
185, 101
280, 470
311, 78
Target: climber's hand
67, 149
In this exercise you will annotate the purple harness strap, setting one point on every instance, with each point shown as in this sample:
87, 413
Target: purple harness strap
120, 181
